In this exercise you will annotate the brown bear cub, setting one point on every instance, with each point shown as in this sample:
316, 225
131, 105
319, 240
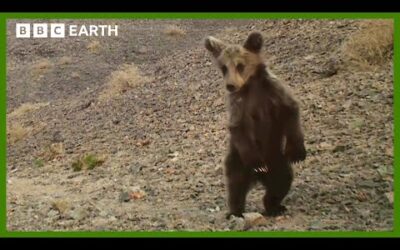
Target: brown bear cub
264, 124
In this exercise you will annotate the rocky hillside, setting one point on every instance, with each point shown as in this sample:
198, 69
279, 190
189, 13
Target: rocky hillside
129, 133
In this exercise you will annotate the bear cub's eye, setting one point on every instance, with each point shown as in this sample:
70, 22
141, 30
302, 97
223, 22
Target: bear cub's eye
240, 67
224, 69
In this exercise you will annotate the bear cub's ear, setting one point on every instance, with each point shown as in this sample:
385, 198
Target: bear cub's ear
214, 45
254, 42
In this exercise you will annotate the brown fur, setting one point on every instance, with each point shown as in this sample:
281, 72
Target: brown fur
264, 126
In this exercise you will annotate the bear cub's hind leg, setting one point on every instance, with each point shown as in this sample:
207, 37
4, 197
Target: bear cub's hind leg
277, 182
239, 182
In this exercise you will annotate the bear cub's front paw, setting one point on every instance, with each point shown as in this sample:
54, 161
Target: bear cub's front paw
296, 153
275, 211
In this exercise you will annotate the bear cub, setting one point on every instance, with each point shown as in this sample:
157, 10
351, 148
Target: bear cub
264, 124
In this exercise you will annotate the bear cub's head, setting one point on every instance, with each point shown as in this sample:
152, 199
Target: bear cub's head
237, 63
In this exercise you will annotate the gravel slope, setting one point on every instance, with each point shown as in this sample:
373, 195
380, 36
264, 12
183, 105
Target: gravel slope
164, 141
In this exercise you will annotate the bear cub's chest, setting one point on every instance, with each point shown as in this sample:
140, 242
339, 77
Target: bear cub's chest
242, 111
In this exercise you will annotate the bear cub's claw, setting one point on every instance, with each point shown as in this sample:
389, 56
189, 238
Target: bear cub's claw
229, 215
276, 211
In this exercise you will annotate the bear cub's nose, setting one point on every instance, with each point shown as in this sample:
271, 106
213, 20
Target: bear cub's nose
230, 87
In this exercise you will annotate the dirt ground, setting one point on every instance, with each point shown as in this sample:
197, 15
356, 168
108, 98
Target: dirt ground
94, 145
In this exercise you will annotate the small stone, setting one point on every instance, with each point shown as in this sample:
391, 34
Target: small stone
212, 210
383, 171
309, 57
365, 213
124, 197
135, 169
236, 223
52, 213
100, 224
339, 148
357, 123
389, 196
57, 137
347, 104
61, 206
173, 155
85, 105
219, 170
69, 151
103, 214
325, 146
142, 50
368, 184
316, 225
329, 69
142, 143
211, 220
341, 26
254, 219
389, 151
137, 195
115, 121
78, 213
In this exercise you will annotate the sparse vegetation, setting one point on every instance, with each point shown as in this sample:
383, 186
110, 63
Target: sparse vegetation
77, 165
371, 46
92, 161
75, 75
94, 47
40, 68
38, 163
26, 108
52, 151
89, 162
61, 206
174, 30
11, 64
16, 132
64, 60
123, 79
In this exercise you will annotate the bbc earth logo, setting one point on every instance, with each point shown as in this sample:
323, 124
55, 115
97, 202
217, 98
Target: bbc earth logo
61, 30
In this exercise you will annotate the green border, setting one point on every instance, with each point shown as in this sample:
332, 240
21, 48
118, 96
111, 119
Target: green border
3, 135
200, 15
3, 172
396, 107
